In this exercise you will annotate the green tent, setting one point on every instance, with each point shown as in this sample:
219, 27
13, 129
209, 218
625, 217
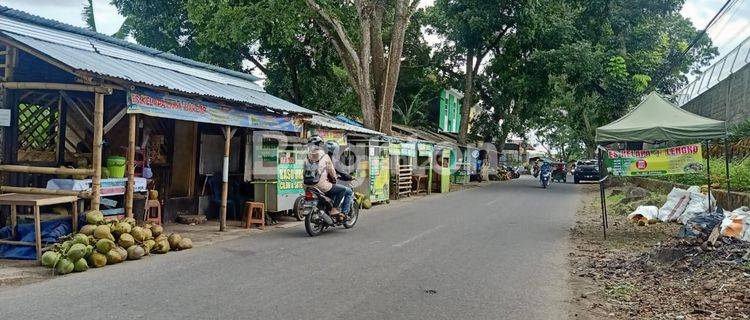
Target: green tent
656, 119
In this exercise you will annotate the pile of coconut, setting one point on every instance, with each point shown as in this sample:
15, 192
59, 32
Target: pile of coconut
101, 242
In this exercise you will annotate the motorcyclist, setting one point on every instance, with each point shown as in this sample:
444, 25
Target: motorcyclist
544, 168
327, 181
332, 148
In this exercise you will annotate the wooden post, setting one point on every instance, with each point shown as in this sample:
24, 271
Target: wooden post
38, 232
96, 161
62, 124
225, 178
131, 166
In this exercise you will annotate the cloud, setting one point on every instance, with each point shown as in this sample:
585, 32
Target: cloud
108, 21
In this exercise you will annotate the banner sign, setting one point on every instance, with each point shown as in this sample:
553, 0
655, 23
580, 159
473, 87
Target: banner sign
425, 150
409, 149
675, 160
394, 149
164, 105
289, 170
379, 178
328, 135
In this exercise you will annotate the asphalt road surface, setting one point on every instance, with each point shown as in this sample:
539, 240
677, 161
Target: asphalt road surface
495, 252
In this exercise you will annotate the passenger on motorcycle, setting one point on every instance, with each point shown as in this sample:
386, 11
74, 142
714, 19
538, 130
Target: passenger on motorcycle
332, 148
325, 175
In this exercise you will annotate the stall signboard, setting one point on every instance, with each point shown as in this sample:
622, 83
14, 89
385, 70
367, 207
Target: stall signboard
675, 160
425, 150
328, 135
379, 177
394, 149
164, 105
409, 149
290, 169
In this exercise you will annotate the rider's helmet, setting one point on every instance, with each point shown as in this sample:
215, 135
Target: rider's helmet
315, 141
332, 148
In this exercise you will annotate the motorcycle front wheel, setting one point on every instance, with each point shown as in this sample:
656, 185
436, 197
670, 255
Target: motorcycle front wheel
353, 216
313, 225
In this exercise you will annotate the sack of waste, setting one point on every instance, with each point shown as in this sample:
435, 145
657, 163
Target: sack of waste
677, 201
701, 225
736, 224
644, 215
698, 204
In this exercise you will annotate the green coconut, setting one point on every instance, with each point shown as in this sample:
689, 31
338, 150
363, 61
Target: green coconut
130, 221
157, 230
149, 234
81, 238
92, 240
104, 245
80, 265
185, 244
174, 240
123, 253
65, 246
113, 257
126, 240
136, 252
97, 260
161, 237
139, 234
148, 245
50, 259
94, 217
103, 232
88, 229
64, 266
162, 246
122, 228
76, 251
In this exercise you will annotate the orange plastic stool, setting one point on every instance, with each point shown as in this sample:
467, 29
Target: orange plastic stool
255, 213
153, 204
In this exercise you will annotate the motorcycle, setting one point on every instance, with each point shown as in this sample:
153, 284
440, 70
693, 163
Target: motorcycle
316, 208
545, 177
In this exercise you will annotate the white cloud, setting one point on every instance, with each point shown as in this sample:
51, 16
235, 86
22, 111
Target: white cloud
108, 21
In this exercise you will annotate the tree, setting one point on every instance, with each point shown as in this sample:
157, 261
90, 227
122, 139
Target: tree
371, 71
90, 20
473, 29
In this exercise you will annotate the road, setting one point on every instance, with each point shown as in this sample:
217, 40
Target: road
495, 252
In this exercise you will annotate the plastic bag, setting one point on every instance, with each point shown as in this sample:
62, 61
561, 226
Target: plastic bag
698, 204
701, 224
644, 214
677, 201
736, 224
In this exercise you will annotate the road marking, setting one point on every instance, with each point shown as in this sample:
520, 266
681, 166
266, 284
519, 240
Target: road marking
492, 202
424, 233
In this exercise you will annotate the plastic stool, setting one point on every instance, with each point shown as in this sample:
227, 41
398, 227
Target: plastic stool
153, 204
255, 213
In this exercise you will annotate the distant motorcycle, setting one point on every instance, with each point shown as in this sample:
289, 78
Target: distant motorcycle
545, 177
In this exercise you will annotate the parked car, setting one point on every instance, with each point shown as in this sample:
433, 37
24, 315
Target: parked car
586, 170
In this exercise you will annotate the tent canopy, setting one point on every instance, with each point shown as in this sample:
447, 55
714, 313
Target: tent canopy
656, 119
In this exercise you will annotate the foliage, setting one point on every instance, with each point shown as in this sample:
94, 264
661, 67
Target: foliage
88, 15
739, 174
412, 114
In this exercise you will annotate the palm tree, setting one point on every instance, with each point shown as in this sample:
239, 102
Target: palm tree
412, 114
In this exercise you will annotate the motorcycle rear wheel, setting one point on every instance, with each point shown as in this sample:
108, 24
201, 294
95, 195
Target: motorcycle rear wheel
312, 226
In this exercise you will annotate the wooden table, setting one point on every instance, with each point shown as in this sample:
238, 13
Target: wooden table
35, 200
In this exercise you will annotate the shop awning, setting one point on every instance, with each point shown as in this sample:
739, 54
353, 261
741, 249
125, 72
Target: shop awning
86, 51
656, 119
325, 121
163, 105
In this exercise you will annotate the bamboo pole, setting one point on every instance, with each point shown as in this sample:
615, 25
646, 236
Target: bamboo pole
131, 166
96, 161
52, 192
225, 179
55, 86
45, 170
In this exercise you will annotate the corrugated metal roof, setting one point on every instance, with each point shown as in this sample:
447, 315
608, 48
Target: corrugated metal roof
332, 123
735, 60
84, 50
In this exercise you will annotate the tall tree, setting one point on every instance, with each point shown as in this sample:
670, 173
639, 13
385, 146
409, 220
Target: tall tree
372, 72
473, 29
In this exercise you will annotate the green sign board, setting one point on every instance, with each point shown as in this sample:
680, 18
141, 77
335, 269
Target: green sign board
675, 160
289, 171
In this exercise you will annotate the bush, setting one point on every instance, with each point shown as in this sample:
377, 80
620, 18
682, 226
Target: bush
739, 172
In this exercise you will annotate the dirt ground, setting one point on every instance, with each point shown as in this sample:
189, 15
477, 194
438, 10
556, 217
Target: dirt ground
646, 272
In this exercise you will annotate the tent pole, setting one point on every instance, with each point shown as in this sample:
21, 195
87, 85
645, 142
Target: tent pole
708, 172
726, 167
601, 193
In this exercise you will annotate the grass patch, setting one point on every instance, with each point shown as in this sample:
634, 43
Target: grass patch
621, 291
